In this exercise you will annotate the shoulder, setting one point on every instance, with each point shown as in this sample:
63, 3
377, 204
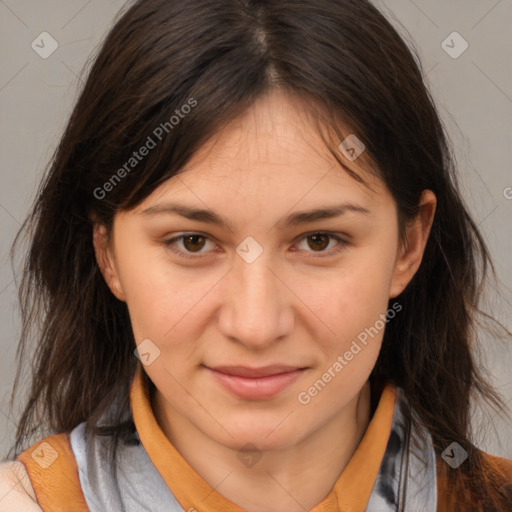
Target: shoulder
16, 491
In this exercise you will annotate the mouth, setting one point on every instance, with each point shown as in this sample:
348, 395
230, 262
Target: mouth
256, 383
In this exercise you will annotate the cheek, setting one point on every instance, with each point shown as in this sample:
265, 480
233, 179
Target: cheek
351, 307
350, 304
351, 298
166, 304
153, 295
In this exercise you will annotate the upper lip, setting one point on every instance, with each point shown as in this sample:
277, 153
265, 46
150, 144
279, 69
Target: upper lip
263, 371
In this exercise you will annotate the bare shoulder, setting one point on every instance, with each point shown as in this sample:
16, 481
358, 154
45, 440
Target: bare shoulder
16, 491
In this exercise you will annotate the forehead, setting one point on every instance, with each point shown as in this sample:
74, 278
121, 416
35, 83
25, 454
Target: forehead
272, 153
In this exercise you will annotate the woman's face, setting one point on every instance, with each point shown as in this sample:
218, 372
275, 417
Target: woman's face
300, 298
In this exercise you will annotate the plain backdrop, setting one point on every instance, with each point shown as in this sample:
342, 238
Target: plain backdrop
472, 89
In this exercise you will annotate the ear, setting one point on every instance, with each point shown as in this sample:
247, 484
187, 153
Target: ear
105, 260
411, 254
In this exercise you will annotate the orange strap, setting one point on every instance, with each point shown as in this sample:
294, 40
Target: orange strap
53, 472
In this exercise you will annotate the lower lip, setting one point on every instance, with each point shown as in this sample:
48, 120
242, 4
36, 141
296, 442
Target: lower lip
259, 388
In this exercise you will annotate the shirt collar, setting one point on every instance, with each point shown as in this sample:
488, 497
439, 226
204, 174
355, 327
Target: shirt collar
351, 491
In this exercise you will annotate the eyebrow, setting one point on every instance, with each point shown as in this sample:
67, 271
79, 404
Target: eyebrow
294, 219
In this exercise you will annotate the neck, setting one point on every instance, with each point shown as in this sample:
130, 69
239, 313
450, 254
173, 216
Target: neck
294, 478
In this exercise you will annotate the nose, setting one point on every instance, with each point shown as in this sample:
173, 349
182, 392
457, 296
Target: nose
256, 305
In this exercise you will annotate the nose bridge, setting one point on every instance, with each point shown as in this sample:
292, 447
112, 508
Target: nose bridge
254, 308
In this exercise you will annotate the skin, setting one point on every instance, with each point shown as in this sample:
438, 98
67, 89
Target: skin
297, 303
16, 491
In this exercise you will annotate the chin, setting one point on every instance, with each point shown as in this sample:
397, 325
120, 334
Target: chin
259, 440
265, 434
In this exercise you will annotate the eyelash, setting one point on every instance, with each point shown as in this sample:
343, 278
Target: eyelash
337, 249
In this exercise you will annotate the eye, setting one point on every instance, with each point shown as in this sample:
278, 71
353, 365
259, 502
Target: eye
320, 240
193, 243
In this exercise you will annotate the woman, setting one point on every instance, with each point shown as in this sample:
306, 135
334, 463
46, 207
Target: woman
257, 279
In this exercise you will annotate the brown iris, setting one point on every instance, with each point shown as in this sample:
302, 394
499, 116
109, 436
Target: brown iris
190, 242
317, 239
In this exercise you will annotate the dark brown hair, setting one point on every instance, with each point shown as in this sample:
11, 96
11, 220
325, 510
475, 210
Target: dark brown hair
349, 65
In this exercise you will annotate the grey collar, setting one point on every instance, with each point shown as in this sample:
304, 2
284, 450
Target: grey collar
407, 477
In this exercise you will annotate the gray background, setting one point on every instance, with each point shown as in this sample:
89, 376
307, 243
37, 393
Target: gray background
473, 93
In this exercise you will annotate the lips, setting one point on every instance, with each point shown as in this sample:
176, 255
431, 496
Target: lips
260, 383
264, 371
